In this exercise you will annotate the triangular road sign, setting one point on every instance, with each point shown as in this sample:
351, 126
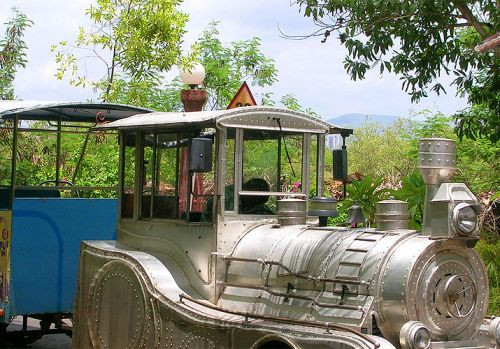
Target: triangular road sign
242, 98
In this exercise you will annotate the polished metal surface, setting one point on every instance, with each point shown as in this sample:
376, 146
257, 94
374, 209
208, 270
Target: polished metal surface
157, 312
323, 207
391, 214
292, 211
413, 277
446, 212
247, 281
414, 335
436, 159
355, 215
437, 164
255, 117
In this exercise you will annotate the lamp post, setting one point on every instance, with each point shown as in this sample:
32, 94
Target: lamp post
193, 100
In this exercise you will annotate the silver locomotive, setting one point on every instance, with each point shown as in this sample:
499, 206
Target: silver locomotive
215, 247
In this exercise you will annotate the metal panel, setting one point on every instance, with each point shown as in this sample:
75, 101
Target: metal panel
147, 292
246, 117
46, 236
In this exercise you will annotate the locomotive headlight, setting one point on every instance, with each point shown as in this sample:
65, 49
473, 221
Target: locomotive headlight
422, 338
465, 218
494, 332
414, 335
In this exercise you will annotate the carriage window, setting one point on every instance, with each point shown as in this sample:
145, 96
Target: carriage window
79, 169
6, 151
5, 163
291, 163
272, 162
36, 157
128, 158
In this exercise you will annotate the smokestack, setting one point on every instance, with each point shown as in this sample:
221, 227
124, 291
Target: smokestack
436, 162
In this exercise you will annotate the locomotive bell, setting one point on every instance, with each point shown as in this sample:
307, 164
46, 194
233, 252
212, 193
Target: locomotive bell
323, 207
355, 215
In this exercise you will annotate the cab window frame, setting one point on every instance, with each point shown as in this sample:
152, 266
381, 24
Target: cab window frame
238, 174
139, 175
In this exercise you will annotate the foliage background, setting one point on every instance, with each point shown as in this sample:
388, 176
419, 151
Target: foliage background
382, 159
383, 162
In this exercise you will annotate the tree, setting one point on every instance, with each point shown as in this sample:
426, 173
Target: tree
228, 66
477, 160
12, 52
420, 40
135, 40
382, 152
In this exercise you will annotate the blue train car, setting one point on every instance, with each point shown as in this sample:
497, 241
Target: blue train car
52, 197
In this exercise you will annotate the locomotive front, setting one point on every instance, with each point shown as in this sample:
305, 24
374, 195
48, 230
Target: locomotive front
225, 253
418, 290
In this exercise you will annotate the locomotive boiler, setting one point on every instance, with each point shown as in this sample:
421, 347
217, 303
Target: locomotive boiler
219, 246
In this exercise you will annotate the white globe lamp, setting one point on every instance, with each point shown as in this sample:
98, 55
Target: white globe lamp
193, 75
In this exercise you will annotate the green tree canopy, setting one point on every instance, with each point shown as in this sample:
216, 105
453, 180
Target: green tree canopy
227, 66
12, 52
420, 40
135, 40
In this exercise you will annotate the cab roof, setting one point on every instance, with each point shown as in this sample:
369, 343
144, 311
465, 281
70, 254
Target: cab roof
254, 117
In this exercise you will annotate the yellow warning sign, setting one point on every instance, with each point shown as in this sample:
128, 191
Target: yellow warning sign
5, 232
242, 98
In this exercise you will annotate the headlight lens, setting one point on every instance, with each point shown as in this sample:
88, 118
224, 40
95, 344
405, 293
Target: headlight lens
422, 338
494, 332
414, 335
465, 218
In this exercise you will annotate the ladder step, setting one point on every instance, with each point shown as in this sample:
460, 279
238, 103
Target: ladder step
357, 250
355, 264
365, 239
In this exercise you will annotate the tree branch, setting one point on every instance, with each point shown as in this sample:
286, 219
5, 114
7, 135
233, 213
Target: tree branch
111, 75
467, 13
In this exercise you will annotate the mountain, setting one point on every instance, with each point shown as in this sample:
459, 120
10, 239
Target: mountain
354, 120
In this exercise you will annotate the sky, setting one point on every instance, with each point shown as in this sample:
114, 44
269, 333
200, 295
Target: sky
309, 69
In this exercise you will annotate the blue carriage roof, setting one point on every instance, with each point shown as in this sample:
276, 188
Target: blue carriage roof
69, 111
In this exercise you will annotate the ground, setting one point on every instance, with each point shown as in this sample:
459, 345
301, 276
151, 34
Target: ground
56, 341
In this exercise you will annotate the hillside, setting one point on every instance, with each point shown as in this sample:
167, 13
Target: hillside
353, 120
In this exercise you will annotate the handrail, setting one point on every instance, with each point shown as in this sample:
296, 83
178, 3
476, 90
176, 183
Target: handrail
268, 193
51, 130
329, 326
300, 276
61, 182
289, 295
62, 187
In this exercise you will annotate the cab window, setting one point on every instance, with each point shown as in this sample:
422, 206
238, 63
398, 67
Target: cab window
272, 162
168, 189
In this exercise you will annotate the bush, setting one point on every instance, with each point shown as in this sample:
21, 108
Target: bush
490, 253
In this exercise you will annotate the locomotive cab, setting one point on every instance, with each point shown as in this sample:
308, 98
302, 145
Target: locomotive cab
192, 183
215, 249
